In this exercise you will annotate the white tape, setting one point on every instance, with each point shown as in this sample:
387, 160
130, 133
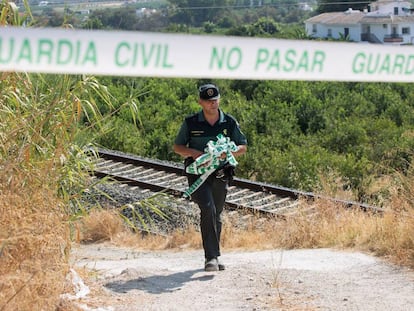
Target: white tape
211, 160
122, 53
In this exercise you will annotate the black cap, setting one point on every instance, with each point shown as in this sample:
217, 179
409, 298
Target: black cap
209, 92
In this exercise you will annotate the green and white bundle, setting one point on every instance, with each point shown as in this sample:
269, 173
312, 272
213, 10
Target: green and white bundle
211, 160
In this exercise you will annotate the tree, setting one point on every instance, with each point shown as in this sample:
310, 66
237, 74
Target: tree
121, 18
325, 6
92, 23
263, 27
196, 12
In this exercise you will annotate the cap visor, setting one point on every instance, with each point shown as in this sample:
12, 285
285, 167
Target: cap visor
214, 98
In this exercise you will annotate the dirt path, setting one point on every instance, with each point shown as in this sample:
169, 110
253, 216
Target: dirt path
317, 279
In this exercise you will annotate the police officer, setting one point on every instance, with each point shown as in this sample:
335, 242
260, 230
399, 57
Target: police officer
195, 132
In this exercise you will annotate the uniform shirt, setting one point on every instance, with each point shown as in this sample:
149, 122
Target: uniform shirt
196, 132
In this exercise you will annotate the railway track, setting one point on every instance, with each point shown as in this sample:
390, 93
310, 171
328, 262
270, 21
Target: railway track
169, 177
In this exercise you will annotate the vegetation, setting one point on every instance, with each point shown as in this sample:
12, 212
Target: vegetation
319, 224
179, 16
352, 140
340, 6
299, 133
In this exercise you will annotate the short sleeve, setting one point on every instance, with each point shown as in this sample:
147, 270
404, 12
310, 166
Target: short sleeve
183, 136
237, 136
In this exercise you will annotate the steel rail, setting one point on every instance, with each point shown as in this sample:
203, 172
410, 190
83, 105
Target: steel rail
151, 174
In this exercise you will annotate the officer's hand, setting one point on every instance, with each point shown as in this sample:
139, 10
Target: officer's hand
196, 154
206, 164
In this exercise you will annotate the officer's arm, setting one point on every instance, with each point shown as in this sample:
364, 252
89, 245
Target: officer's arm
186, 152
241, 150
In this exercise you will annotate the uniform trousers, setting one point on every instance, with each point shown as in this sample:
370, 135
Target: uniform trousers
210, 198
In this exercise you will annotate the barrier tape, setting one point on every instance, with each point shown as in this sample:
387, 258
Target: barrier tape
211, 160
124, 53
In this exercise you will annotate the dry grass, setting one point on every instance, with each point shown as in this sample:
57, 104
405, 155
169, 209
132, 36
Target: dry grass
34, 239
33, 250
99, 225
42, 175
390, 235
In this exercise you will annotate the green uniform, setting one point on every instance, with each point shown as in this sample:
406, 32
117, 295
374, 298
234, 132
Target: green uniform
195, 133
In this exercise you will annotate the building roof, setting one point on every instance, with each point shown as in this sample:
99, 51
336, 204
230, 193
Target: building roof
357, 17
371, 19
389, 1
335, 18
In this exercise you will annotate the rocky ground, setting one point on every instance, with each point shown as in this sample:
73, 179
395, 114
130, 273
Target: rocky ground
110, 278
311, 279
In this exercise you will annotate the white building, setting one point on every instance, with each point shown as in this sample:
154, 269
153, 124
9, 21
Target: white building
386, 21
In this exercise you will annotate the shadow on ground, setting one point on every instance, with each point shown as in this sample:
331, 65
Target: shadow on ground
158, 284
